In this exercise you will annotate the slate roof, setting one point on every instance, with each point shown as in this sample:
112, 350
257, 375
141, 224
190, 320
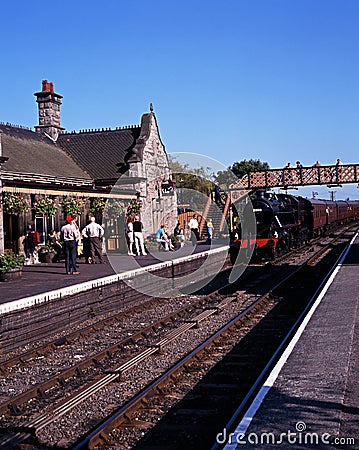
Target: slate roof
101, 153
34, 153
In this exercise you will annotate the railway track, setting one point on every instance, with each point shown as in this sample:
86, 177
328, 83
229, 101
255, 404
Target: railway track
190, 317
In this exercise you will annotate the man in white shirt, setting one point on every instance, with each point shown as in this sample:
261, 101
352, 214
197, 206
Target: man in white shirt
94, 232
70, 235
193, 225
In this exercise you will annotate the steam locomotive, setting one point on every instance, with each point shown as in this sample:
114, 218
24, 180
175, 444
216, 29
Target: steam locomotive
286, 221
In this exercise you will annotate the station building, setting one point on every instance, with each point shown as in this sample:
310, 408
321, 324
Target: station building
48, 172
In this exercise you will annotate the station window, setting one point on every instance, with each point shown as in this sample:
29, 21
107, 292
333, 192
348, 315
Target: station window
43, 224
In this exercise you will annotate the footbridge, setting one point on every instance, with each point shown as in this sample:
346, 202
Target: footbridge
299, 177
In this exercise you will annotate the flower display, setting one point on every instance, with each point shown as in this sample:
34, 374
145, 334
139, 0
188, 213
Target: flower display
73, 205
113, 209
46, 249
98, 206
134, 207
45, 205
15, 203
9, 261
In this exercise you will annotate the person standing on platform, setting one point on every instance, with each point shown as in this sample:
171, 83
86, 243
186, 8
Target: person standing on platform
129, 236
94, 232
193, 226
139, 241
86, 248
70, 236
31, 242
54, 242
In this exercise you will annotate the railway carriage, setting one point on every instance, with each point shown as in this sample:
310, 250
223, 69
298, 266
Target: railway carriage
343, 211
353, 207
322, 214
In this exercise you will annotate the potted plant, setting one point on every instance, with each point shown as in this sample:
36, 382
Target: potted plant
46, 254
11, 266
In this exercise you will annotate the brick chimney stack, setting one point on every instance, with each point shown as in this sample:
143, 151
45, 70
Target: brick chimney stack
49, 111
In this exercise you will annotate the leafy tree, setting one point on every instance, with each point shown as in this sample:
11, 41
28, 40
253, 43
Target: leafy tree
252, 165
238, 169
225, 178
191, 178
194, 185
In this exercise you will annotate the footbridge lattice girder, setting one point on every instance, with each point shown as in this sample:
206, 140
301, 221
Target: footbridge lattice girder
305, 176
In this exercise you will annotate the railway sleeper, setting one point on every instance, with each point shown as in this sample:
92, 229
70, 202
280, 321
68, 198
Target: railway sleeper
18, 429
79, 372
14, 409
136, 423
62, 381
42, 393
97, 363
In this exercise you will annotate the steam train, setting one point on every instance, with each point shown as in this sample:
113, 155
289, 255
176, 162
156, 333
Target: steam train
285, 221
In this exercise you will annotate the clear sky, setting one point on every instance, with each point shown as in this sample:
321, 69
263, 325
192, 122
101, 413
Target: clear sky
275, 80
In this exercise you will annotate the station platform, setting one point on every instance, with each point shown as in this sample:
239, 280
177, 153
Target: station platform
44, 279
311, 398
47, 302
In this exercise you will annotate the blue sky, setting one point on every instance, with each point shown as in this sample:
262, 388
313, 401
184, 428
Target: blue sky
275, 80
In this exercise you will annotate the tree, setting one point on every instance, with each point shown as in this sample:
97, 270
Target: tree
193, 185
238, 170
196, 178
252, 165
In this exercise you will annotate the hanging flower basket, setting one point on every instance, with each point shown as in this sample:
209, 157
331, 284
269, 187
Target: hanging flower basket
113, 209
46, 206
134, 207
98, 206
15, 203
73, 205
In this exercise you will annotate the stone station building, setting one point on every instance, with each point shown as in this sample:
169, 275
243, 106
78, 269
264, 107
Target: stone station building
126, 164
